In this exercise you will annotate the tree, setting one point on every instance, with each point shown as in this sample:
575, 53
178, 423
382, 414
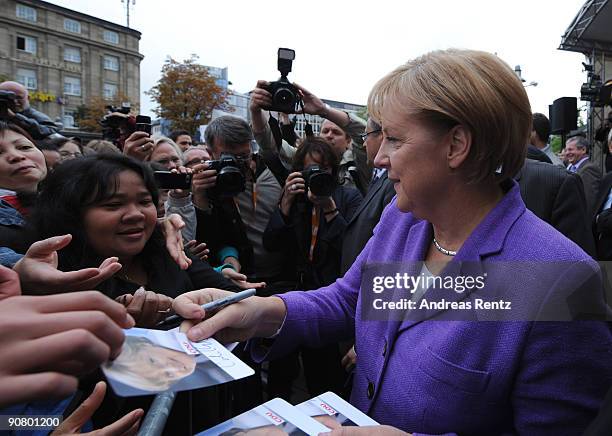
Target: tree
88, 116
363, 113
186, 94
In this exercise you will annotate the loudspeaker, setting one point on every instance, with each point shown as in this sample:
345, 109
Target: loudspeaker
563, 115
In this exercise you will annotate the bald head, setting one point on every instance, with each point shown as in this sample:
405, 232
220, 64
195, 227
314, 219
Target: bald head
21, 94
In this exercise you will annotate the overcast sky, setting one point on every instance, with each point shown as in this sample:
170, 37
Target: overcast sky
343, 47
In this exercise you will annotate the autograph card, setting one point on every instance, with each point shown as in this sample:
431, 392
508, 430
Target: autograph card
276, 417
153, 361
332, 411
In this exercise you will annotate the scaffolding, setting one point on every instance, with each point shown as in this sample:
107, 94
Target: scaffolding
590, 33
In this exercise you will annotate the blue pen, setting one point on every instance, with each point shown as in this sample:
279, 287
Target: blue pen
174, 320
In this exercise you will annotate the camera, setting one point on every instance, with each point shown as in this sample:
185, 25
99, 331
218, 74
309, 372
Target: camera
594, 90
320, 182
170, 180
230, 179
143, 124
7, 102
285, 96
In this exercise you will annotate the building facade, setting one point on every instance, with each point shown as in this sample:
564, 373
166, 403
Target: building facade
64, 57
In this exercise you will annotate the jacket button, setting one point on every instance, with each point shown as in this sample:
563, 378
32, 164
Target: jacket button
384, 353
370, 390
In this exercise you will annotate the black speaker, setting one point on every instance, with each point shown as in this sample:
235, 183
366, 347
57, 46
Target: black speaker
563, 115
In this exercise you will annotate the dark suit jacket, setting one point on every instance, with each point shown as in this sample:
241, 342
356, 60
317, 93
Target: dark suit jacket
557, 196
292, 236
602, 223
590, 172
535, 153
360, 227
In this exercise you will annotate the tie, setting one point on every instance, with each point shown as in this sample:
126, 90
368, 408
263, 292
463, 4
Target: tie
572, 168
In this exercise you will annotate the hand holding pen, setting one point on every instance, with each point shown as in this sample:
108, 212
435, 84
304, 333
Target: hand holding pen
250, 317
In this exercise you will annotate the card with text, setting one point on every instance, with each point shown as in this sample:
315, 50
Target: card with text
154, 361
276, 417
332, 411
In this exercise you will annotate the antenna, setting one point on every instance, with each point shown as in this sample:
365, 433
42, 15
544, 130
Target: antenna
127, 9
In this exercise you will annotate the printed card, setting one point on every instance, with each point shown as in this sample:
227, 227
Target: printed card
276, 417
154, 361
332, 411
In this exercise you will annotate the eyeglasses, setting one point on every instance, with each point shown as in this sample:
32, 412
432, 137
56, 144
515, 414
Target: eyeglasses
68, 155
194, 162
371, 132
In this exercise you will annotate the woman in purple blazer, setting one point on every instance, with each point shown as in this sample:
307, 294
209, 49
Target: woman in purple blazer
455, 125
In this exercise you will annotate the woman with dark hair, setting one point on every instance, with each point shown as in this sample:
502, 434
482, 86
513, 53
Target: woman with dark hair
308, 227
69, 149
107, 202
22, 167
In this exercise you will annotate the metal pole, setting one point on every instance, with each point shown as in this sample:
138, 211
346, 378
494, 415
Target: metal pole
155, 420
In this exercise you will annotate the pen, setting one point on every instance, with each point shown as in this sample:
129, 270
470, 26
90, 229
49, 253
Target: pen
174, 320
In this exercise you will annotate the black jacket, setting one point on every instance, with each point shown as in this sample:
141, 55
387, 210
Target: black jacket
602, 222
360, 227
292, 236
557, 196
165, 277
36, 123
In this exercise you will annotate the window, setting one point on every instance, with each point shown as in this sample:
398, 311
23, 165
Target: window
27, 44
72, 86
69, 119
27, 78
112, 37
26, 13
72, 54
110, 91
111, 63
72, 25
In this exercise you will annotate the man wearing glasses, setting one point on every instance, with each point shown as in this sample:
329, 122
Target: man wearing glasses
235, 225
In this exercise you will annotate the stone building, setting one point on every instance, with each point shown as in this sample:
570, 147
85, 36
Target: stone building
65, 57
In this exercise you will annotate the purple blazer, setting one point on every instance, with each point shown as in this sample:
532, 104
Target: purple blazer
462, 377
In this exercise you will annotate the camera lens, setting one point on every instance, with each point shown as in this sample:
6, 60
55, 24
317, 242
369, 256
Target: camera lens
230, 181
284, 96
321, 184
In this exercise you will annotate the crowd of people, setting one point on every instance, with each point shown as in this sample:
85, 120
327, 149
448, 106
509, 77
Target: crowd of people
451, 166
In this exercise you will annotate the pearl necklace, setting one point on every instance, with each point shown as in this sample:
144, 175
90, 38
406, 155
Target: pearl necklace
443, 250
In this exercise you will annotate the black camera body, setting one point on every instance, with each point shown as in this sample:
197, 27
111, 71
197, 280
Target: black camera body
320, 182
7, 102
170, 180
285, 96
231, 180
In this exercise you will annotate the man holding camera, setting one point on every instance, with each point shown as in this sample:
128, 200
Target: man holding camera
34, 122
342, 130
235, 195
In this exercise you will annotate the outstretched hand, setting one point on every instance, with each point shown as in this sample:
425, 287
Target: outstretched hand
39, 274
126, 426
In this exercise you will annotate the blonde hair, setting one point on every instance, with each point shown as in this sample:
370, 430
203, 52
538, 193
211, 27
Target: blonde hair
471, 88
159, 139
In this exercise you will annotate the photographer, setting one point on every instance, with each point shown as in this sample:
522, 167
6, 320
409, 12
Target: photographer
37, 124
342, 130
236, 194
308, 228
